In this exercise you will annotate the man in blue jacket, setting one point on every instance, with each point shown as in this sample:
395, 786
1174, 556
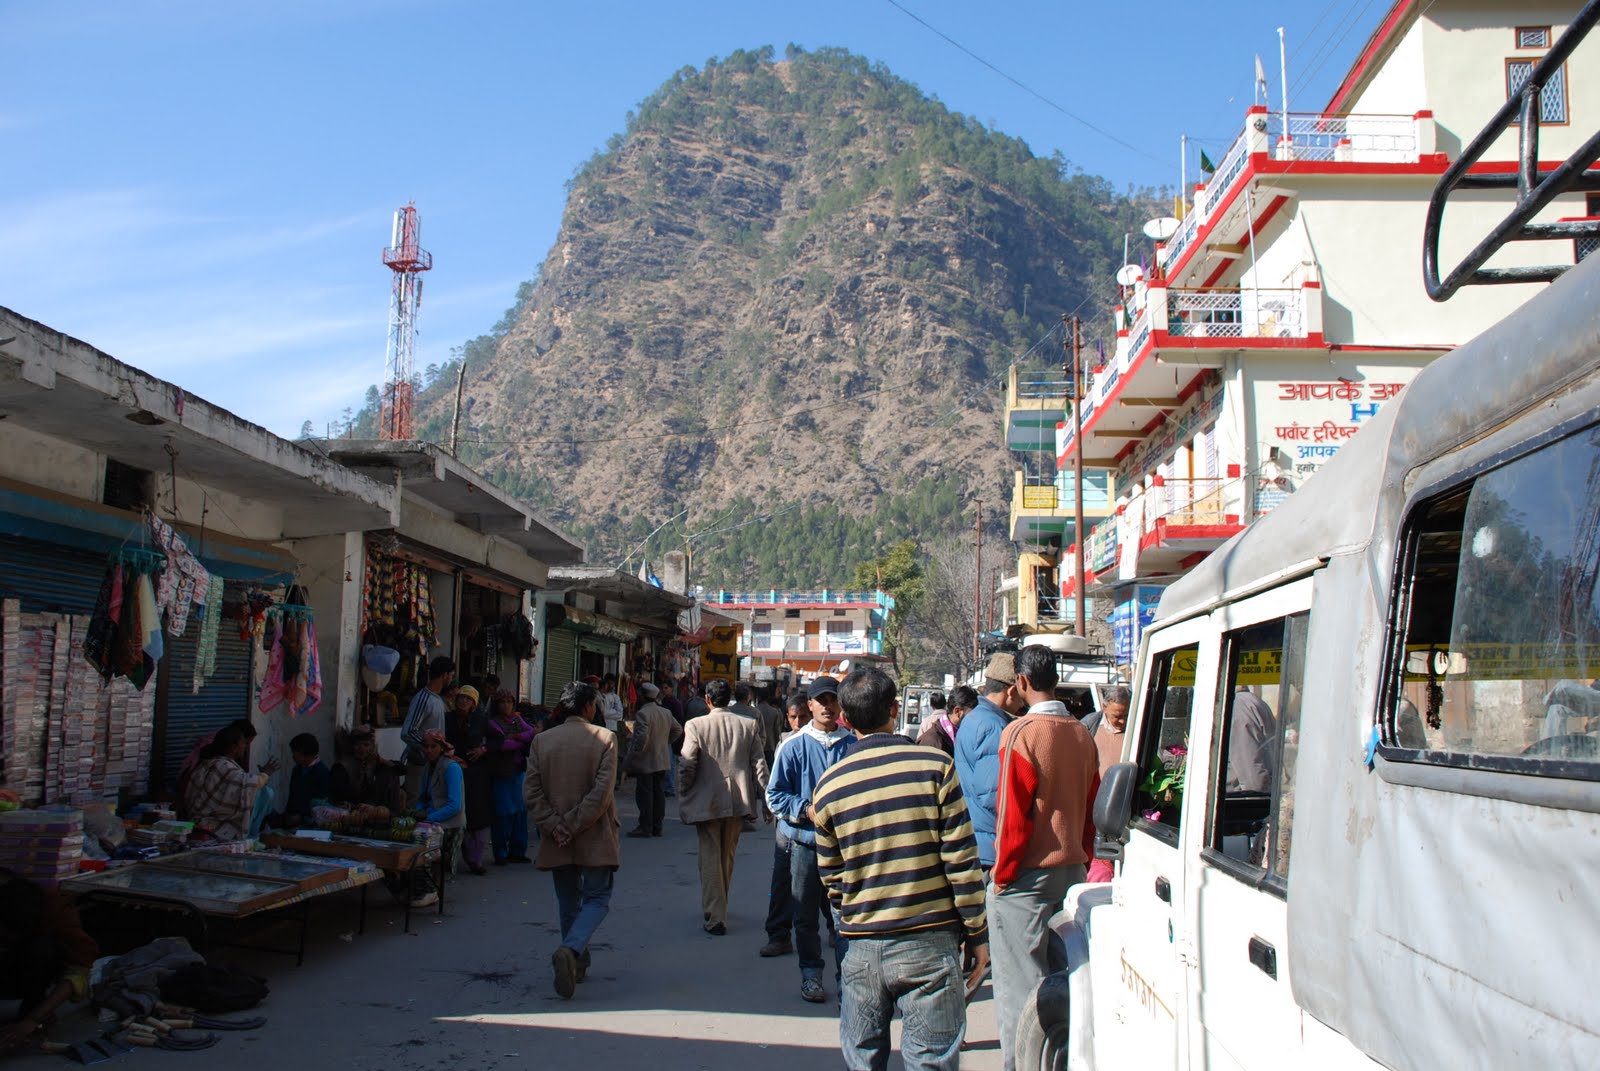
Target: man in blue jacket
978, 749
799, 765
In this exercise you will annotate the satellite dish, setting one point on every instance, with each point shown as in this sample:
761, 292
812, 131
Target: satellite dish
1129, 274
1161, 228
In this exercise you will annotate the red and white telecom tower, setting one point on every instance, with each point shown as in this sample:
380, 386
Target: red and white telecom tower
408, 260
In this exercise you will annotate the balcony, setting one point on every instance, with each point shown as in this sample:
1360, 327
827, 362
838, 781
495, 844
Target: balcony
1184, 330
1035, 404
1042, 512
781, 644
1173, 523
826, 598
1278, 149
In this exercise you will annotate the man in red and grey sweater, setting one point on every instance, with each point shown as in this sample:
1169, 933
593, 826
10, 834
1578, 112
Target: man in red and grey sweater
1044, 838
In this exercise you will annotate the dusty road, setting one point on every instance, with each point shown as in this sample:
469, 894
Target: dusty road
473, 989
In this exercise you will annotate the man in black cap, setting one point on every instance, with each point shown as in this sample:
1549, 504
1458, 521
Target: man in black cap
800, 763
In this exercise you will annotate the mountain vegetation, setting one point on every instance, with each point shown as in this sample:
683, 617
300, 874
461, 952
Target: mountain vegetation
776, 323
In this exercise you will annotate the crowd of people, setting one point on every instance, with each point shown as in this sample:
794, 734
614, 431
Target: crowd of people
911, 860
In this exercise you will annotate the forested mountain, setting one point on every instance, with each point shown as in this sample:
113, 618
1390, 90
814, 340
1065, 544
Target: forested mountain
780, 310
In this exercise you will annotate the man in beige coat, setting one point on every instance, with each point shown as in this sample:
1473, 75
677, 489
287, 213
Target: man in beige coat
572, 772
654, 740
722, 777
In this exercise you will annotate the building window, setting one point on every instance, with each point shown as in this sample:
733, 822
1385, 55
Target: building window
791, 614
1582, 247
1496, 635
1533, 37
127, 487
1552, 98
761, 636
841, 628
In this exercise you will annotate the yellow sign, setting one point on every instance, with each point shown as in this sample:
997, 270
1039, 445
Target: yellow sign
1502, 662
719, 654
1039, 498
1255, 667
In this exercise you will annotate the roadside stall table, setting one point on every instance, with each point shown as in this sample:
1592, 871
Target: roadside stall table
217, 884
399, 856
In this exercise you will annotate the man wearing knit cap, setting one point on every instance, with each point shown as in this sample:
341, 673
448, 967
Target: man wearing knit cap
978, 748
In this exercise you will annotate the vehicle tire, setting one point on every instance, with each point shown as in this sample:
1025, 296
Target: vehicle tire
1045, 1025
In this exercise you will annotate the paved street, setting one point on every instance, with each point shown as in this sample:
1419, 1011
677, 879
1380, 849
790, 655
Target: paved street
474, 988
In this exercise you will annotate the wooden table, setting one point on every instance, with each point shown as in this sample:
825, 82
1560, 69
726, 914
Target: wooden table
400, 857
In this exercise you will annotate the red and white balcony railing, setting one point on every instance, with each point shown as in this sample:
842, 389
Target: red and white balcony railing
1235, 313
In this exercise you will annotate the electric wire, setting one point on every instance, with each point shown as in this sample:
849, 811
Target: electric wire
1108, 135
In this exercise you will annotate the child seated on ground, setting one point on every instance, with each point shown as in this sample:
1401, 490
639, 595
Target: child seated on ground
308, 781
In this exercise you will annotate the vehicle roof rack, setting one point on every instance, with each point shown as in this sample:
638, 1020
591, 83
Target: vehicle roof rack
1533, 193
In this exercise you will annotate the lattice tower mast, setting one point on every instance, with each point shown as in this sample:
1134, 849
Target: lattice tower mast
408, 260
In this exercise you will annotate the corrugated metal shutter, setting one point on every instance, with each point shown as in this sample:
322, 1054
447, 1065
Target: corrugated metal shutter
187, 715
49, 578
560, 662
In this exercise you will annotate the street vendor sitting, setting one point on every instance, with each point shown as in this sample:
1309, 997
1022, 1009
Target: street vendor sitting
45, 956
361, 776
224, 799
308, 781
442, 797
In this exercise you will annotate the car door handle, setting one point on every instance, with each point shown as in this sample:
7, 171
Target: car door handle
1164, 890
1264, 956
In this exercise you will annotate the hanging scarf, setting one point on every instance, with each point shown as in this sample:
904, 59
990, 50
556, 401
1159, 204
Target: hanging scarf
205, 655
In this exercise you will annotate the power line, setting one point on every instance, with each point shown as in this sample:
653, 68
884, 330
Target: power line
1108, 135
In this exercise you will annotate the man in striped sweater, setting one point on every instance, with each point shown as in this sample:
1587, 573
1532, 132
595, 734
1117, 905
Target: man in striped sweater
896, 852
1044, 838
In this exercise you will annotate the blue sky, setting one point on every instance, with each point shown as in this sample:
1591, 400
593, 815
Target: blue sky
202, 189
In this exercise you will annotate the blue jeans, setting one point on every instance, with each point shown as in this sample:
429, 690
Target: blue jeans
671, 787
583, 895
810, 904
780, 901
921, 974
509, 832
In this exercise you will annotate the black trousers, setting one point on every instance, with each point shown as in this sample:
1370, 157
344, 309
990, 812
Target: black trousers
780, 901
29, 969
650, 793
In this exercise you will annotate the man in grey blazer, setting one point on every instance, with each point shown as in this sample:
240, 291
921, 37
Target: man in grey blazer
722, 777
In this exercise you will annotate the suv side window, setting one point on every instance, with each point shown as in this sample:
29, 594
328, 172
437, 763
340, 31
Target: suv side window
1495, 644
1252, 813
1163, 752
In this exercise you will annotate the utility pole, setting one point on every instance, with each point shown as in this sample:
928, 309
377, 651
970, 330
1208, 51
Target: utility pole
1073, 370
455, 421
977, 595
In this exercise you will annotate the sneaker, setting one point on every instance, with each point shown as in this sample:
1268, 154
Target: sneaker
427, 899
811, 991
777, 947
566, 968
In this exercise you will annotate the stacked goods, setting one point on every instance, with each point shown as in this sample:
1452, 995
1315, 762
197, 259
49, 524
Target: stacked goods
43, 846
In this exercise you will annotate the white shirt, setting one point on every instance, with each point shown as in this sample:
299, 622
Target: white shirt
611, 704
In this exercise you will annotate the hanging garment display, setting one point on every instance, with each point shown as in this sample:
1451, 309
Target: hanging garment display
102, 634
184, 582
397, 604
294, 675
205, 659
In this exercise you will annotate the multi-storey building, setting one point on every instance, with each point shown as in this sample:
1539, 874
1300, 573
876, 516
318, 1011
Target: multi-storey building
1287, 305
810, 632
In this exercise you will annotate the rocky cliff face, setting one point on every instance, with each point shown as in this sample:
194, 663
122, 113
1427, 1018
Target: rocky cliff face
789, 286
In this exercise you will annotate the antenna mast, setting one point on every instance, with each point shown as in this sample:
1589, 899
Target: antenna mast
408, 260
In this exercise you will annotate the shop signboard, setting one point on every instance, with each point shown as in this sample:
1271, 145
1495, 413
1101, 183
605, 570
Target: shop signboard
719, 654
1039, 497
1135, 609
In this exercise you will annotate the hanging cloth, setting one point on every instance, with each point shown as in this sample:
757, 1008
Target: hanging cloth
152, 644
98, 644
205, 655
183, 583
274, 690
305, 688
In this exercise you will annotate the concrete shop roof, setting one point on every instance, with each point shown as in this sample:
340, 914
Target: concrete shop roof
432, 476
625, 595
62, 387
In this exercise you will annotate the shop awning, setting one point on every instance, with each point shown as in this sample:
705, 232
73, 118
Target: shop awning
599, 624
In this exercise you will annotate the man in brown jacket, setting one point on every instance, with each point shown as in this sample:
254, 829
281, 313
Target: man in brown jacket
654, 740
572, 772
722, 777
